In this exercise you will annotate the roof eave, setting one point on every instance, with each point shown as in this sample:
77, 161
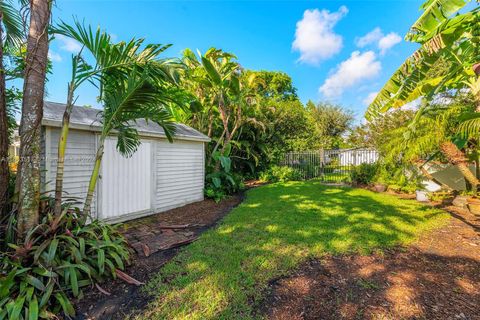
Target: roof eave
97, 128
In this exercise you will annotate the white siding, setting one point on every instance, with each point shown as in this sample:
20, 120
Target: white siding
179, 173
159, 177
126, 182
79, 161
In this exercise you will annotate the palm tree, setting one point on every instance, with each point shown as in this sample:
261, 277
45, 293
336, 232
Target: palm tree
447, 38
140, 96
28, 174
113, 63
11, 35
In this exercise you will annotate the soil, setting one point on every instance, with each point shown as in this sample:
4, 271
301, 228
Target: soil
181, 226
438, 277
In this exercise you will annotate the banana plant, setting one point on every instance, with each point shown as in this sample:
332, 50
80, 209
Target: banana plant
113, 62
448, 38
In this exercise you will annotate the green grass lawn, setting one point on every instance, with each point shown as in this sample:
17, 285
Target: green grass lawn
223, 275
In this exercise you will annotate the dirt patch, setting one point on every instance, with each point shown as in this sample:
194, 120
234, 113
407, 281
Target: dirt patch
163, 234
436, 278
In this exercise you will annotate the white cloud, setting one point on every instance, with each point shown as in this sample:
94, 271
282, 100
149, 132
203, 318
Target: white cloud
373, 36
315, 38
359, 67
377, 37
52, 55
369, 99
68, 44
388, 41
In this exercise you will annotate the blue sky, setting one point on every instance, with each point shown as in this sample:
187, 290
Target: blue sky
338, 51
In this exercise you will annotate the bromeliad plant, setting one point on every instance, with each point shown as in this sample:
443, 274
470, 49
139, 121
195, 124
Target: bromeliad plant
56, 260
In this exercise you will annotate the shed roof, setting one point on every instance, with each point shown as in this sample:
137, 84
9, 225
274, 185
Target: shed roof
85, 118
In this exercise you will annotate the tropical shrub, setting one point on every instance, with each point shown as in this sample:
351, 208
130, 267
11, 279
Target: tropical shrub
364, 173
399, 177
58, 258
221, 181
280, 174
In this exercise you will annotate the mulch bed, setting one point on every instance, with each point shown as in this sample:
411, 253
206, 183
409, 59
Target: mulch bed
155, 241
438, 277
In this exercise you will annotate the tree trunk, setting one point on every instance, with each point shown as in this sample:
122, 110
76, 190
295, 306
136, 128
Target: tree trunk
4, 171
226, 131
87, 208
32, 113
62, 146
432, 178
456, 157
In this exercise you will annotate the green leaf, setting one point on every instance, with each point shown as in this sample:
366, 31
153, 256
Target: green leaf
29, 293
35, 282
74, 281
7, 283
65, 303
226, 163
118, 260
33, 309
48, 292
235, 85
39, 250
230, 179
227, 150
217, 182
52, 250
211, 71
81, 243
101, 261
435, 13
44, 272
17, 308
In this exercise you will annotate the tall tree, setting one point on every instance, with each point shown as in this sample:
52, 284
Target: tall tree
11, 34
331, 122
143, 95
32, 112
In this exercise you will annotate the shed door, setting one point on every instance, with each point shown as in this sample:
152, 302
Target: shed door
126, 182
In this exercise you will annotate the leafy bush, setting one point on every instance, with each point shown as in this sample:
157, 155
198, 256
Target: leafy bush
280, 174
56, 260
364, 173
222, 182
399, 177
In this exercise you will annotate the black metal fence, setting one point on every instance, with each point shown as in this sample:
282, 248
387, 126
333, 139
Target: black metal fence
332, 166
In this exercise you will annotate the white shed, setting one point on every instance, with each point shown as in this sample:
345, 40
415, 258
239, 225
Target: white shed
158, 177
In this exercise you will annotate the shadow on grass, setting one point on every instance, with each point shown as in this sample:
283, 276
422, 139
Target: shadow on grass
223, 274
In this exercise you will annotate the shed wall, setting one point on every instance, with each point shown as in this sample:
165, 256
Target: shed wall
176, 175
79, 161
179, 173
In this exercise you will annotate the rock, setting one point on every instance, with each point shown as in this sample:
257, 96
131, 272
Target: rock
460, 201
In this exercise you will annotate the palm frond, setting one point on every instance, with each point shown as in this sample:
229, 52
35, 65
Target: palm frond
128, 140
13, 23
116, 61
470, 125
136, 98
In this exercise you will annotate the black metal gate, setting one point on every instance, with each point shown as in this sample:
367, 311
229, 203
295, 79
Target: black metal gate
331, 166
